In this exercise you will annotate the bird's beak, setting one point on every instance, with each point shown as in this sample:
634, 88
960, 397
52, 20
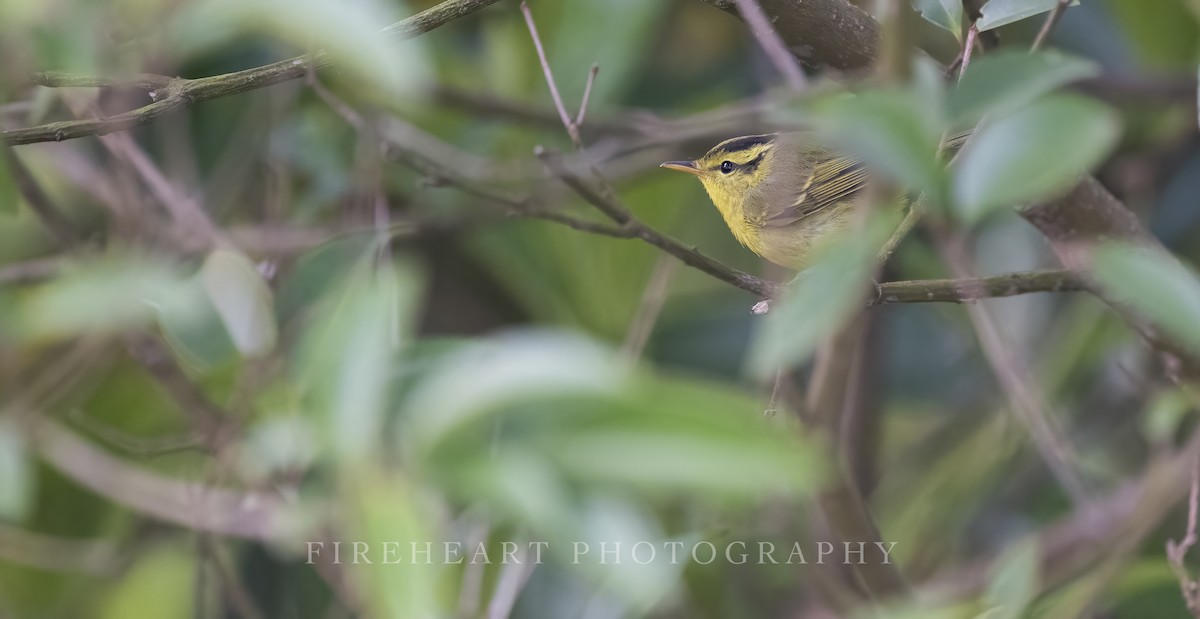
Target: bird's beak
682, 166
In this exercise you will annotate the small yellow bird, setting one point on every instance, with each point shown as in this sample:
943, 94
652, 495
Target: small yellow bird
781, 195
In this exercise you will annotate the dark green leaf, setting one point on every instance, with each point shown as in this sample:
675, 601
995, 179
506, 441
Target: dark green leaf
1032, 154
1001, 82
102, 295
1154, 283
348, 356
1014, 582
943, 13
896, 132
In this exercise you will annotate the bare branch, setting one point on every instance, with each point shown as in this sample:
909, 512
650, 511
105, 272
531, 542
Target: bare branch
513, 577
188, 504
208, 419
141, 81
1026, 400
970, 289
654, 296
99, 557
968, 49
572, 129
1048, 25
170, 94
617, 212
832, 33
771, 44
52, 219
587, 94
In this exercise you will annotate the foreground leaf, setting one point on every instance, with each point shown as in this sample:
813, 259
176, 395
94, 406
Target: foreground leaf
1006, 80
242, 299
1155, 284
1033, 154
942, 13
819, 302
895, 132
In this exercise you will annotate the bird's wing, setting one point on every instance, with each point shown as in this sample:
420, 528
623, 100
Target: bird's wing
832, 181
835, 180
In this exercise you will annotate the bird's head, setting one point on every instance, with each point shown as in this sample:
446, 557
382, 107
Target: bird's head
732, 170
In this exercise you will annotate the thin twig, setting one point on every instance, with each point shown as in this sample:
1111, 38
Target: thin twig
99, 557
968, 289
1048, 25
772, 45
513, 577
187, 212
171, 94
60, 228
207, 419
30, 271
1177, 551
135, 445
240, 599
572, 129
1028, 404
968, 49
587, 94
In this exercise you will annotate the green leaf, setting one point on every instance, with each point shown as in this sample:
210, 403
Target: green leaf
194, 330
1004, 81
896, 132
16, 474
1154, 283
104, 295
383, 511
1014, 581
942, 13
242, 299
502, 370
819, 301
347, 357
998, 13
1035, 153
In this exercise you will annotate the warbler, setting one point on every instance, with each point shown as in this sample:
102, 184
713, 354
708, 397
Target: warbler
781, 194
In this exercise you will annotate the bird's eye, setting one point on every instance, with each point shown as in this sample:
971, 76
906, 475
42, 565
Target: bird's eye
726, 167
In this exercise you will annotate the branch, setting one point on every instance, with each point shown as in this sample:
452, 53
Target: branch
772, 45
971, 289
170, 94
617, 212
188, 504
1048, 26
1177, 551
572, 129
831, 33
1026, 400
